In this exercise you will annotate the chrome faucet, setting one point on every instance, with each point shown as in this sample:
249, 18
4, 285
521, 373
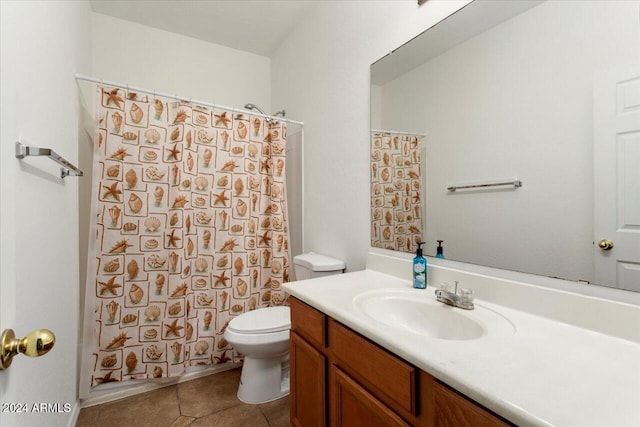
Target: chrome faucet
464, 299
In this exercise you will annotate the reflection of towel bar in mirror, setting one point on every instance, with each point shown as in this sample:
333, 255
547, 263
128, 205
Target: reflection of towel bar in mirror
516, 183
68, 169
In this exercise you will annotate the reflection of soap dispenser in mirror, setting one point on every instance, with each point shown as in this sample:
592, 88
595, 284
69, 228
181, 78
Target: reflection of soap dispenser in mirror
419, 269
439, 249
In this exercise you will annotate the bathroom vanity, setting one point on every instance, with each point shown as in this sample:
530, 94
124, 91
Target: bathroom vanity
340, 378
361, 354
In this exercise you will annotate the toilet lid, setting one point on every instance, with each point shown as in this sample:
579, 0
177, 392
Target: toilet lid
317, 262
262, 320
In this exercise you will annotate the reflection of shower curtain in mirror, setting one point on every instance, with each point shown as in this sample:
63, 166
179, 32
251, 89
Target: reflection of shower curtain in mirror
190, 231
396, 206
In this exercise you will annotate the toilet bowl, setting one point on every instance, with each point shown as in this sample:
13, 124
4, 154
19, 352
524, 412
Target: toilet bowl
262, 337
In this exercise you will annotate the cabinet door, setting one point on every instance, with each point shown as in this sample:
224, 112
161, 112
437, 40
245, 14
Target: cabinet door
307, 384
352, 405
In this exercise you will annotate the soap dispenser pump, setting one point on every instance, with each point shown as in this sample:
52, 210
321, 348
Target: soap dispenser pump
419, 269
439, 249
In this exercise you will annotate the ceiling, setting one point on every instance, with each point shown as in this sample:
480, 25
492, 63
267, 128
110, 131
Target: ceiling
256, 26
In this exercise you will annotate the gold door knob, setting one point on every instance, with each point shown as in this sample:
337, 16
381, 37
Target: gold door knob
36, 343
605, 244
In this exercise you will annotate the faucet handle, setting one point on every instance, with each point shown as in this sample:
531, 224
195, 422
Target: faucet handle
455, 291
466, 296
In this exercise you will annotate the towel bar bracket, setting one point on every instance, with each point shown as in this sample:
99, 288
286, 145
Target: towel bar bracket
67, 169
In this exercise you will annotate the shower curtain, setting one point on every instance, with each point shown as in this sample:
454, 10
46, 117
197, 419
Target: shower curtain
396, 191
190, 230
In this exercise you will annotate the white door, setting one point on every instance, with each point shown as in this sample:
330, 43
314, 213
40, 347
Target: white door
38, 283
39, 210
617, 177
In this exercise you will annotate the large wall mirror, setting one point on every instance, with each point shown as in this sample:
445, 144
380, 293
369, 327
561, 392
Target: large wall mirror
545, 93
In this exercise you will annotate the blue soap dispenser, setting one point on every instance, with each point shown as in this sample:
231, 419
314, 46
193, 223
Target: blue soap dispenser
439, 249
419, 269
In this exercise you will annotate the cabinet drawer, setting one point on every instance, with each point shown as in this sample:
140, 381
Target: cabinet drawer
308, 322
387, 377
451, 409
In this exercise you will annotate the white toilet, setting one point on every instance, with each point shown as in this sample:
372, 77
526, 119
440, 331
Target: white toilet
262, 337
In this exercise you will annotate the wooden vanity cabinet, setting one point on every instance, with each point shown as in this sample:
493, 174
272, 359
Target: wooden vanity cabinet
340, 378
308, 366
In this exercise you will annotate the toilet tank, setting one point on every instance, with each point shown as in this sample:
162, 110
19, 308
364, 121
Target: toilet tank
312, 265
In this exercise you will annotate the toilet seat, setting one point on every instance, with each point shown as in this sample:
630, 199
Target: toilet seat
262, 321
268, 340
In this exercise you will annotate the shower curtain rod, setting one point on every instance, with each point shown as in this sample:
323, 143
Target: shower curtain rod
181, 98
399, 132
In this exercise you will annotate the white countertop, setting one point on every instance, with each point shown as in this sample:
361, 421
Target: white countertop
546, 373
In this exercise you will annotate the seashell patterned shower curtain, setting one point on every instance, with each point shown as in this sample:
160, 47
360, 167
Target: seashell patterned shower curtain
190, 230
396, 205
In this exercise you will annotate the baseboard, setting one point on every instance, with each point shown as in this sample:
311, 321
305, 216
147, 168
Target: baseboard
131, 388
75, 413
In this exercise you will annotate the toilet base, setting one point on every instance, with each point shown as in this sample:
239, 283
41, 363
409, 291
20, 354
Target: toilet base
264, 379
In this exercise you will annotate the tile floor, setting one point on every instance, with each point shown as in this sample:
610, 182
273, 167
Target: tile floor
207, 401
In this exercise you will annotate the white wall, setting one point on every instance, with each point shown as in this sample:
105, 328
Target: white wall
143, 56
44, 44
516, 101
321, 74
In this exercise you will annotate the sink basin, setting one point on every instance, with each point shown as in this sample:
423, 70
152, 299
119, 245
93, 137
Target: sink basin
418, 312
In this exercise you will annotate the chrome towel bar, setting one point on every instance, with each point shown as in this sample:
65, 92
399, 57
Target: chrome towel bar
516, 183
68, 168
